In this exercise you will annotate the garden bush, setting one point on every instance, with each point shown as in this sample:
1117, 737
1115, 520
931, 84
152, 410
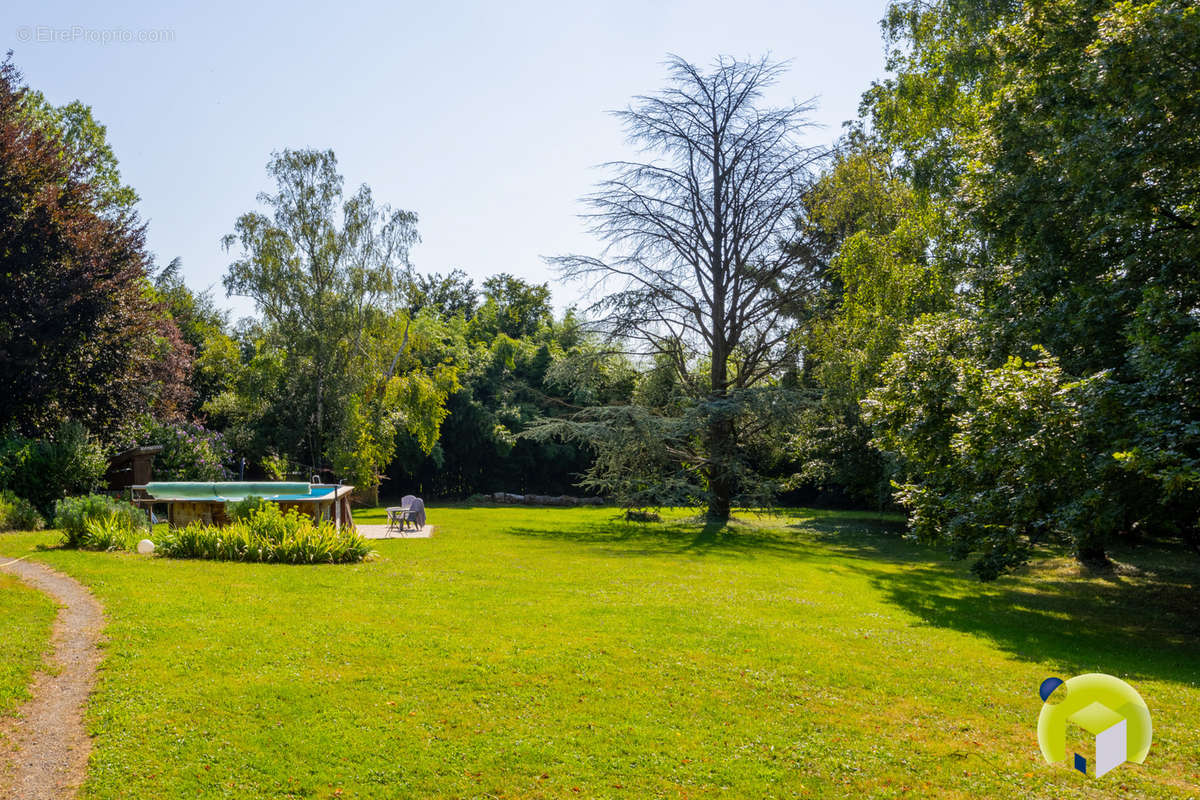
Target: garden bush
190, 452
242, 510
18, 514
45, 470
268, 536
72, 514
994, 461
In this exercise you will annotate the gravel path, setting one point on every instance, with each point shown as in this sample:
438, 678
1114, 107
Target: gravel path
44, 748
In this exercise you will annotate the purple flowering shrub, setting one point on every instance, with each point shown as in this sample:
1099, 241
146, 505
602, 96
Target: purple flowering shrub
190, 451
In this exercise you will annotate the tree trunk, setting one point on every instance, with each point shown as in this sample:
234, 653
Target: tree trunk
1091, 553
319, 444
720, 479
720, 428
720, 436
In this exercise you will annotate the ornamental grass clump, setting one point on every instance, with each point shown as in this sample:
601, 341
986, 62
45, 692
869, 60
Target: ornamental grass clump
110, 532
268, 536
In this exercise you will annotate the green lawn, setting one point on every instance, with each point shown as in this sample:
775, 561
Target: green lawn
25, 619
557, 653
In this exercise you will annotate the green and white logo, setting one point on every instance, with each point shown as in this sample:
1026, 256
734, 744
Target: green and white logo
1107, 709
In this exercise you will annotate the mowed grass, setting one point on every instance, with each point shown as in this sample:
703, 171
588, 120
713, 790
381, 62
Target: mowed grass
26, 616
559, 653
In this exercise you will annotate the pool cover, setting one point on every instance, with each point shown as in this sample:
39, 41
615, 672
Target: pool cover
230, 491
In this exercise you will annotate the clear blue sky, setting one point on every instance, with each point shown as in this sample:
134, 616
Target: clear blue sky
484, 118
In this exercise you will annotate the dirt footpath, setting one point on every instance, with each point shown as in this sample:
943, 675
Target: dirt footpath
44, 748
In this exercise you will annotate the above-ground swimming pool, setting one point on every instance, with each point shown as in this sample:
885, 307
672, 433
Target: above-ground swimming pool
189, 501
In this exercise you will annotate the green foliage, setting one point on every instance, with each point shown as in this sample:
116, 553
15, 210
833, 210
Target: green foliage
18, 514
242, 510
1087, 183
637, 455
451, 295
328, 376
406, 378
503, 385
1164, 448
72, 516
512, 308
880, 277
1057, 142
44, 470
268, 535
202, 325
111, 531
644, 458
832, 449
253, 413
913, 411
190, 451
880, 272
1085, 176
83, 141
277, 467
80, 334
993, 461
325, 272
407, 396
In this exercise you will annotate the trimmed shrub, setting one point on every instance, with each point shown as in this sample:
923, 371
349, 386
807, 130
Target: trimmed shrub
72, 514
18, 514
268, 536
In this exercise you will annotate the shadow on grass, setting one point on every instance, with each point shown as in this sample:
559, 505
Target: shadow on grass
737, 540
1139, 622
1141, 626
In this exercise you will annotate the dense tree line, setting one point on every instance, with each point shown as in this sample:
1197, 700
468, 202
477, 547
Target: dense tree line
1012, 346
351, 371
365, 370
980, 306
81, 335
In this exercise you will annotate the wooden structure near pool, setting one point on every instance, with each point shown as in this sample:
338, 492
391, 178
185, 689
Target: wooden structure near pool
131, 468
206, 502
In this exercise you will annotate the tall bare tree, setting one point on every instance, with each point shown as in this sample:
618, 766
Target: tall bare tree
700, 263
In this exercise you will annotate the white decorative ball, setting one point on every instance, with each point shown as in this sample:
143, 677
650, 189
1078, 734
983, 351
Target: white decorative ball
145, 547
